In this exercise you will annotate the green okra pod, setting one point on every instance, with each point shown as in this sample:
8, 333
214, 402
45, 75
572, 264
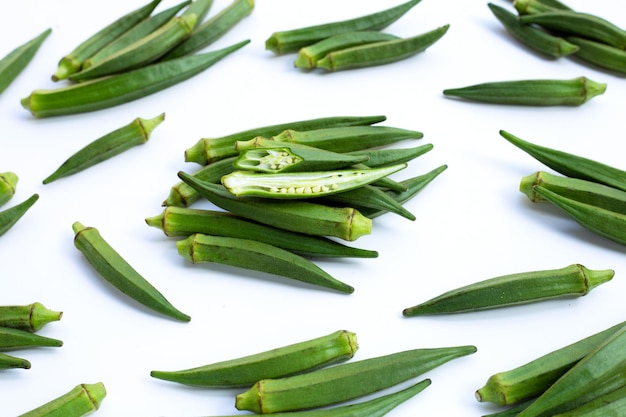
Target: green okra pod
30, 317
297, 216
199, 8
178, 221
139, 31
81, 400
13, 339
533, 36
142, 52
291, 40
256, 256
8, 182
510, 411
369, 197
12, 362
540, 92
279, 362
596, 367
10, 216
538, 6
115, 270
382, 157
598, 220
73, 61
514, 289
610, 404
15, 61
209, 31
114, 143
376, 407
344, 382
381, 53
310, 54
300, 185
121, 88
208, 150
599, 54
571, 165
579, 24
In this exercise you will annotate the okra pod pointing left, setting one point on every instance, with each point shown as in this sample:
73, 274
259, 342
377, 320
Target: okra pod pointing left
115, 270
80, 401
16, 60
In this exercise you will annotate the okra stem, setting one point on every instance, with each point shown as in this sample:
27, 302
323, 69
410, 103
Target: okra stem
80, 401
30, 317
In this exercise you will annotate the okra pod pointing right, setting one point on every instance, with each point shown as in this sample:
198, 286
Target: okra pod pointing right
11, 362
81, 400
30, 317
8, 182
600, 54
15, 61
13, 339
10, 216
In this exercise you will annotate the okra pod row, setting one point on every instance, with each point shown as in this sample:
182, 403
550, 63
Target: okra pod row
15, 61
80, 401
279, 362
30, 317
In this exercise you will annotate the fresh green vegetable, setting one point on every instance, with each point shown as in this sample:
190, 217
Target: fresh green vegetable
15, 61
382, 157
13, 339
279, 362
80, 401
599, 54
114, 143
199, 8
12, 362
538, 6
30, 317
369, 197
10, 216
611, 404
8, 182
115, 270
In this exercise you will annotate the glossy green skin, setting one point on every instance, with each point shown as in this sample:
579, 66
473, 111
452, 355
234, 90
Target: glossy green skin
200, 8
13, 339
533, 378
600, 55
208, 150
256, 256
611, 404
15, 61
177, 221
208, 32
538, 6
531, 36
296, 216
114, 143
81, 400
380, 53
8, 182
122, 88
540, 92
12, 362
571, 165
30, 317
114, 269
370, 197
10, 216
579, 24
72, 62
344, 382
279, 362
292, 40
381, 157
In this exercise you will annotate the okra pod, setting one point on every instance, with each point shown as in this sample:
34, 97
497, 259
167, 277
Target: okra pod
256, 256
72, 62
540, 92
14, 339
30, 317
533, 36
114, 143
208, 150
606, 359
579, 24
571, 165
584, 191
118, 89
10, 216
538, 6
380, 53
309, 55
178, 221
300, 185
600, 54
382, 157
15, 61
8, 182
115, 270
344, 382
376, 407
208, 32
142, 52
596, 219
199, 8
12, 362
81, 400
369, 197
297, 216
279, 362
514, 289
611, 404
139, 31
510, 411
291, 40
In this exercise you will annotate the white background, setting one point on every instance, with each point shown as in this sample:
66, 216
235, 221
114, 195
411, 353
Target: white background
472, 222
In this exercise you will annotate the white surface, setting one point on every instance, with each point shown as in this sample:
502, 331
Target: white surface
472, 223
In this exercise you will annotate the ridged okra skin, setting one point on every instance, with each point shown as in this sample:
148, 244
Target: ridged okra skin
15, 61
611, 404
32, 317
13, 339
81, 400
599, 54
344, 382
279, 362
13, 362
8, 182
11, 215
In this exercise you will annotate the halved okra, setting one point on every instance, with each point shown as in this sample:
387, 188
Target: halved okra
178, 221
31, 317
81, 400
256, 256
8, 182
15, 61
279, 362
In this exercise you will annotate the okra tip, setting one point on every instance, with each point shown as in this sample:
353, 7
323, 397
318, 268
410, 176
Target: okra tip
148, 125
40, 316
156, 221
593, 278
